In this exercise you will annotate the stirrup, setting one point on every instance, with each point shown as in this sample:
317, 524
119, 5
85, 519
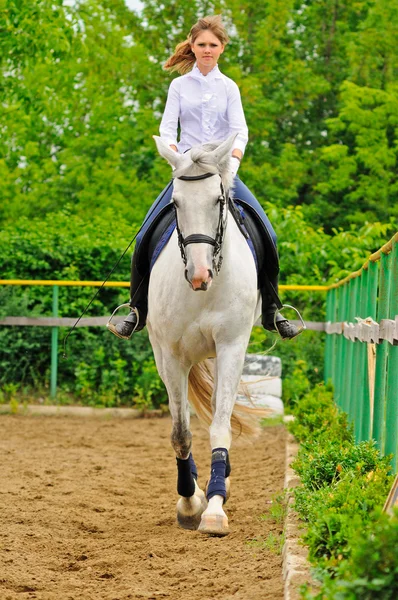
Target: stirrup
301, 329
112, 327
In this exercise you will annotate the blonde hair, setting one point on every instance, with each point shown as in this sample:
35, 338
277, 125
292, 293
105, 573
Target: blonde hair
183, 58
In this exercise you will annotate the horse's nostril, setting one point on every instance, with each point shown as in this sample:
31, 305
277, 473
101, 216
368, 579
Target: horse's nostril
210, 273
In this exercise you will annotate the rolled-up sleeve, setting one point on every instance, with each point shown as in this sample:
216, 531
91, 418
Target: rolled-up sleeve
169, 124
236, 118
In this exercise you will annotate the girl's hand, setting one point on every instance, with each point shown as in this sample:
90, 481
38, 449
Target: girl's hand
235, 163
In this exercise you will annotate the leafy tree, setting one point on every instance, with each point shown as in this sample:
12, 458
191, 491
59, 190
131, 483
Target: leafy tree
82, 92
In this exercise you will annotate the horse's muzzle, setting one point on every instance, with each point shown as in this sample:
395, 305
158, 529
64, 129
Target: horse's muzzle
200, 280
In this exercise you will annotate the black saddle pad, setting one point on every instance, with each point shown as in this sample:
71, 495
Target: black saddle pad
266, 251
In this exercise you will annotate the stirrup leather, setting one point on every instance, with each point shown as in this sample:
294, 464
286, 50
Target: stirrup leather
111, 326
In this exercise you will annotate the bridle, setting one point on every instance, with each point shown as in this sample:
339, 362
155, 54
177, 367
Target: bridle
199, 238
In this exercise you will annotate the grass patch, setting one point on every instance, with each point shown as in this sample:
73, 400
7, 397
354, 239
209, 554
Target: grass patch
272, 421
277, 509
272, 543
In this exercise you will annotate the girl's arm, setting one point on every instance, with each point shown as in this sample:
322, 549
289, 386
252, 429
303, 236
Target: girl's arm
169, 123
237, 121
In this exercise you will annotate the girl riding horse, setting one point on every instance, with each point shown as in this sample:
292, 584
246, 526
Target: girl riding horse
207, 106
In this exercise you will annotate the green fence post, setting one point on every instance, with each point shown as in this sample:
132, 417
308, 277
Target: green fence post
336, 347
331, 338
328, 341
340, 294
54, 346
361, 371
352, 287
382, 350
369, 310
392, 373
342, 317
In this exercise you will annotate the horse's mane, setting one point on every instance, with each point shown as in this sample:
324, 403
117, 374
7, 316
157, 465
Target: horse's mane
202, 161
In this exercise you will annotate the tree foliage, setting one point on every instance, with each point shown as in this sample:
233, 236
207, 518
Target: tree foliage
82, 92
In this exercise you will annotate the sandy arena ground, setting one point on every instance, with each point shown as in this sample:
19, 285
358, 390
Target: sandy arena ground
88, 513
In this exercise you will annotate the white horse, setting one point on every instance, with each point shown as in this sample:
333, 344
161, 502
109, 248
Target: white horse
196, 313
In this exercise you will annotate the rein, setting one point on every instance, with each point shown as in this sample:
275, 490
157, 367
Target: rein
199, 238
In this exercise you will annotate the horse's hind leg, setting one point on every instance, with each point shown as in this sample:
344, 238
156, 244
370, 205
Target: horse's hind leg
192, 501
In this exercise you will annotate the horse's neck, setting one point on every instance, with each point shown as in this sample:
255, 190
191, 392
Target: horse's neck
233, 238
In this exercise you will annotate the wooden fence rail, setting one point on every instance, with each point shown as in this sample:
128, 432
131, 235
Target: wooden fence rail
55, 321
361, 357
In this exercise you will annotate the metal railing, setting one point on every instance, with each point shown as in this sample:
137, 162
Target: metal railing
361, 357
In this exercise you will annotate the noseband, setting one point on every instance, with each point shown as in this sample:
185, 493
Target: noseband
199, 238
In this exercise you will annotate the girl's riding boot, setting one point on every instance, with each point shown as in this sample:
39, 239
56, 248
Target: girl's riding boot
271, 318
286, 329
138, 301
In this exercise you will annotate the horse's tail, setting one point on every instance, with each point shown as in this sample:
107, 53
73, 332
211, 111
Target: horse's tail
245, 420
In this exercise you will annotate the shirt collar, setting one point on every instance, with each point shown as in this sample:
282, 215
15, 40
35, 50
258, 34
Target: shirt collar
215, 73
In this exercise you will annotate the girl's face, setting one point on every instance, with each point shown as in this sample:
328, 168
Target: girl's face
207, 49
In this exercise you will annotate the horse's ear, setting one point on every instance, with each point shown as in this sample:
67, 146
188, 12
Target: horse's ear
173, 158
222, 154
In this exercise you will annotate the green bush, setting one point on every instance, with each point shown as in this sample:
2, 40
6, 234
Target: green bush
335, 513
324, 460
344, 487
372, 571
317, 416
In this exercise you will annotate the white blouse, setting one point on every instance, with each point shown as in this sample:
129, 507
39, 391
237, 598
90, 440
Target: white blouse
207, 107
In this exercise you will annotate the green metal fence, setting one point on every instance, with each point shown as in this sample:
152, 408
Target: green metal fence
361, 356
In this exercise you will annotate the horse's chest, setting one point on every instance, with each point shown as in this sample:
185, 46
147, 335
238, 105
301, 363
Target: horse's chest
196, 344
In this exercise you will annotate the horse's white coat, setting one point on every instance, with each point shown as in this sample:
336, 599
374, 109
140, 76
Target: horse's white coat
187, 326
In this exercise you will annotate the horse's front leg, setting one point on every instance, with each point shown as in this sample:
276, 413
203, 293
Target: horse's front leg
230, 361
192, 501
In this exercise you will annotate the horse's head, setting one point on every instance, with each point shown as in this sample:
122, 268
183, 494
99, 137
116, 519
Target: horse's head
202, 178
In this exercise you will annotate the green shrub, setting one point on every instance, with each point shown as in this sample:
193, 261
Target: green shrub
99, 369
317, 415
372, 571
344, 487
323, 461
335, 513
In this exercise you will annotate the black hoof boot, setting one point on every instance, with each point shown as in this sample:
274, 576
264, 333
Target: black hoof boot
125, 328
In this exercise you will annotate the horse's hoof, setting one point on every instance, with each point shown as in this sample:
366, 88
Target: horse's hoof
214, 525
189, 511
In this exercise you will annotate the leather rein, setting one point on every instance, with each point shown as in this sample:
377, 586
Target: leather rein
199, 238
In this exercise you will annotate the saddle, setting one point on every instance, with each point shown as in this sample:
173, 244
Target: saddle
253, 229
